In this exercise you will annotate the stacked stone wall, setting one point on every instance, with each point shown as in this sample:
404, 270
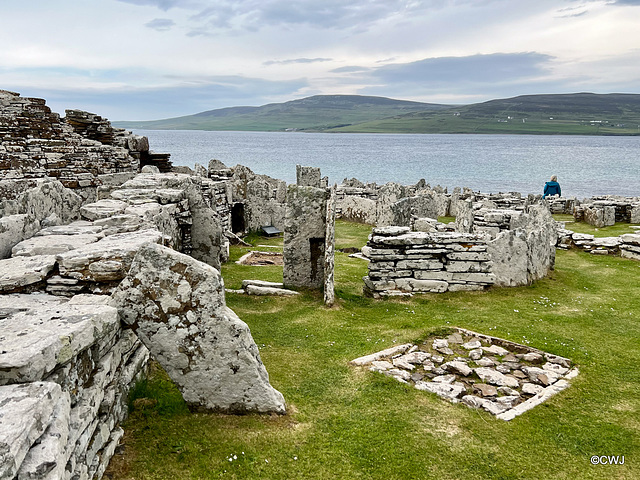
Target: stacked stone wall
404, 262
37, 143
68, 367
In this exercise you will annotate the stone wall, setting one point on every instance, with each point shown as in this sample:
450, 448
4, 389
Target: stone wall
67, 364
305, 236
67, 367
257, 200
37, 143
404, 262
497, 247
607, 210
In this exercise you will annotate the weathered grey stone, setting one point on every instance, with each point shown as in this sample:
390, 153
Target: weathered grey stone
416, 357
400, 363
445, 390
458, 367
41, 332
51, 244
495, 350
485, 390
444, 379
47, 458
367, 359
25, 414
106, 260
380, 366
14, 229
489, 375
476, 354
103, 209
262, 283
176, 306
50, 198
308, 176
329, 249
305, 237
258, 290
358, 209
531, 388
472, 345
534, 401
19, 272
80, 227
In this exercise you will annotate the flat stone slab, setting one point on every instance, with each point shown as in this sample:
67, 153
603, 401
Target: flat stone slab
80, 227
40, 332
52, 244
278, 292
108, 259
19, 272
103, 209
176, 306
502, 377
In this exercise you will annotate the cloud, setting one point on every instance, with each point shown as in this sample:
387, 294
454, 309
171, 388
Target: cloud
295, 61
493, 75
496, 67
253, 15
350, 69
160, 24
179, 95
161, 4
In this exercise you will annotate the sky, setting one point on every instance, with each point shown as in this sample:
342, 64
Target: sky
153, 59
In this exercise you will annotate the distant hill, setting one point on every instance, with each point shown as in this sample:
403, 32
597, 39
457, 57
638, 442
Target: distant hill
320, 112
575, 113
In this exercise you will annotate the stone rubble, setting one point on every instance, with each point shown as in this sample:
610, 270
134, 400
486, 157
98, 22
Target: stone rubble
515, 379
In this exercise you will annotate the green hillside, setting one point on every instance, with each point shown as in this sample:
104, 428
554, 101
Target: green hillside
567, 114
579, 113
320, 112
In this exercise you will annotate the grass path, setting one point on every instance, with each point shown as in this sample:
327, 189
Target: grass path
345, 423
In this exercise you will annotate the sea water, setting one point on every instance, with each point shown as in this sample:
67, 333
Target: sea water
585, 165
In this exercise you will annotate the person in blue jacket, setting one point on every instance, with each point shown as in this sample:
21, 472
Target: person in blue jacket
552, 187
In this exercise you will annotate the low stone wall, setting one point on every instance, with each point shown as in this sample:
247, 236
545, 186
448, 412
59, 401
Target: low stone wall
67, 367
608, 210
491, 246
405, 262
630, 246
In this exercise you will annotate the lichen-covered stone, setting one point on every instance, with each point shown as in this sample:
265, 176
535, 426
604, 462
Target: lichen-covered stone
176, 306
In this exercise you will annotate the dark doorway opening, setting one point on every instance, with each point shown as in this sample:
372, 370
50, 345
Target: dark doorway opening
237, 218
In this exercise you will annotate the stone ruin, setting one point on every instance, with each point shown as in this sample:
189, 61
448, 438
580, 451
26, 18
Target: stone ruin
108, 255
502, 377
608, 210
489, 247
175, 305
80, 150
309, 234
69, 353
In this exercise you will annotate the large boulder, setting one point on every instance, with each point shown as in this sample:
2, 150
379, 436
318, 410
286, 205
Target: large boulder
177, 308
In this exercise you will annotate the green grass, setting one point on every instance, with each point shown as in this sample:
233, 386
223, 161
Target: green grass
581, 227
347, 423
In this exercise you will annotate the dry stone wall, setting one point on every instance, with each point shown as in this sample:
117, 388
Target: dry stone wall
67, 367
76, 150
404, 262
495, 247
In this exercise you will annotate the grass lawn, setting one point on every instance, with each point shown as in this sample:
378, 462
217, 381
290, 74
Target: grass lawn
582, 227
347, 423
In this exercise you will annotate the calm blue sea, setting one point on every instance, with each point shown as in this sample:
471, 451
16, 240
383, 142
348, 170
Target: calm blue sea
585, 165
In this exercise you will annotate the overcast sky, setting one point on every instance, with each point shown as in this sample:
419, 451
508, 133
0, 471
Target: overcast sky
151, 59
